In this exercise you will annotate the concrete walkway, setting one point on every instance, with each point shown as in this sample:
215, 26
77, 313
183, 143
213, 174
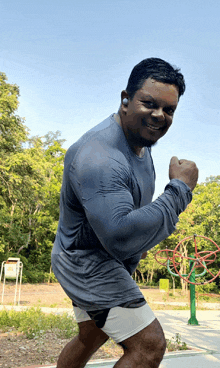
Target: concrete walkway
205, 338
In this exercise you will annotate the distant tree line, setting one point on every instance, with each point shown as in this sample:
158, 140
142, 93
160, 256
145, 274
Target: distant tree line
30, 182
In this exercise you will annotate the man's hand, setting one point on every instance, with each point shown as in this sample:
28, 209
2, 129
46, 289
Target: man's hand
144, 255
184, 170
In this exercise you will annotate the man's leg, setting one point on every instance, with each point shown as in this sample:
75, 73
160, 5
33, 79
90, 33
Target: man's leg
144, 349
78, 351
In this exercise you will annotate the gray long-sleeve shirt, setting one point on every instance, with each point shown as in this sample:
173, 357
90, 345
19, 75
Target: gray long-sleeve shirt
107, 217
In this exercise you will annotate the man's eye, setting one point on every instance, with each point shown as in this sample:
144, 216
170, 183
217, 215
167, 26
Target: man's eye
149, 104
170, 111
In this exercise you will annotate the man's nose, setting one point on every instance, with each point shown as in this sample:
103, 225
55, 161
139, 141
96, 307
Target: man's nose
158, 114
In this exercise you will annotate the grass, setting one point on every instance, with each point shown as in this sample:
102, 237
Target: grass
53, 305
209, 298
33, 323
154, 296
169, 307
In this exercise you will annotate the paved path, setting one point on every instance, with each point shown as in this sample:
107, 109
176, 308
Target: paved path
205, 337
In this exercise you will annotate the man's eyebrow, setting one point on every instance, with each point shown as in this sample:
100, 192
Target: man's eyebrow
153, 99
148, 96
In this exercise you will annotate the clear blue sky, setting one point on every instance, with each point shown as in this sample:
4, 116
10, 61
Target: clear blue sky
71, 59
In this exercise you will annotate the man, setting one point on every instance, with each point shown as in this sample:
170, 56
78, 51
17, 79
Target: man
108, 220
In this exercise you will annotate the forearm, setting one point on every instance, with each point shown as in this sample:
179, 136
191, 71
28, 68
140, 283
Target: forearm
128, 235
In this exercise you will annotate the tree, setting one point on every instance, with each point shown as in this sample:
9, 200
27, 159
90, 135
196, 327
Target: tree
149, 267
13, 132
30, 182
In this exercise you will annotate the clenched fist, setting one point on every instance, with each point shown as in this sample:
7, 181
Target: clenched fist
184, 170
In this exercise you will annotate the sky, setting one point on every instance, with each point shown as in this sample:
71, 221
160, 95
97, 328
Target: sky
71, 60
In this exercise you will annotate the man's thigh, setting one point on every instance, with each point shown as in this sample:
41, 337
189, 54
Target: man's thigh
122, 323
91, 335
119, 323
148, 339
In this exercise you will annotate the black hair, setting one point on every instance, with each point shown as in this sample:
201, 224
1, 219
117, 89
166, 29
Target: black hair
157, 69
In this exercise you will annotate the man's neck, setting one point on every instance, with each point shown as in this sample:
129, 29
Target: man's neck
139, 151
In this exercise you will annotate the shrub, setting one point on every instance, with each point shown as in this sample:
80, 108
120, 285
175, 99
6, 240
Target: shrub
207, 288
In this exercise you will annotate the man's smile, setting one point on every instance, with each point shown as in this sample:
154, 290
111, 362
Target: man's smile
152, 126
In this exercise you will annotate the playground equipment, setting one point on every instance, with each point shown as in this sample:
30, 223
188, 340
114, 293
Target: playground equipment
12, 269
197, 265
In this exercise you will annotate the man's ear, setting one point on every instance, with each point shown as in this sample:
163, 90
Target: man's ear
124, 101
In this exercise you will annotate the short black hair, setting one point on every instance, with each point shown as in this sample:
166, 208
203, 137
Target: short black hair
157, 69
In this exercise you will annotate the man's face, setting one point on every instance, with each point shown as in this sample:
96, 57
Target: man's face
148, 116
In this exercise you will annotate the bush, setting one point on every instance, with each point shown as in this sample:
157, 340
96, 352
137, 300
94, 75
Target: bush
207, 288
33, 277
37, 277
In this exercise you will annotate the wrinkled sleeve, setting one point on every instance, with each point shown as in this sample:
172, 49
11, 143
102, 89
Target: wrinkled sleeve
102, 185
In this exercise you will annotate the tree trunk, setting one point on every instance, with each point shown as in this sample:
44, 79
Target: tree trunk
142, 276
12, 211
135, 275
173, 278
151, 275
148, 275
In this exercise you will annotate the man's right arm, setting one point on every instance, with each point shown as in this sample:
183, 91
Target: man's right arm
101, 185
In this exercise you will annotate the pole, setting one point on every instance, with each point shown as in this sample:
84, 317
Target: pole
193, 320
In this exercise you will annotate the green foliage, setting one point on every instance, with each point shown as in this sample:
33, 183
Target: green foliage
202, 215
206, 298
175, 343
12, 130
33, 322
34, 277
207, 288
148, 268
30, 181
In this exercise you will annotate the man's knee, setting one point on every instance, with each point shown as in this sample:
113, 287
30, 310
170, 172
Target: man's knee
149, 344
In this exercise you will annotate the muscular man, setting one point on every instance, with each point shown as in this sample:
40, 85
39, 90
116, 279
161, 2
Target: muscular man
108, 220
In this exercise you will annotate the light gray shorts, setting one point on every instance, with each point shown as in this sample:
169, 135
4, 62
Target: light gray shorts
121, 323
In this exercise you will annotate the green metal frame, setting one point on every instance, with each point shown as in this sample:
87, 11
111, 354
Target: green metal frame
193, 320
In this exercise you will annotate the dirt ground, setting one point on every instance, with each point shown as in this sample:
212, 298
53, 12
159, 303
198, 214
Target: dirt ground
18, 351
53, 296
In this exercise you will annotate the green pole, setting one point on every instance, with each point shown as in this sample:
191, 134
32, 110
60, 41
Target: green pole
192, 288
192, 278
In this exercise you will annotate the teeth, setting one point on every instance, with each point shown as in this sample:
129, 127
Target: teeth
153, 127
